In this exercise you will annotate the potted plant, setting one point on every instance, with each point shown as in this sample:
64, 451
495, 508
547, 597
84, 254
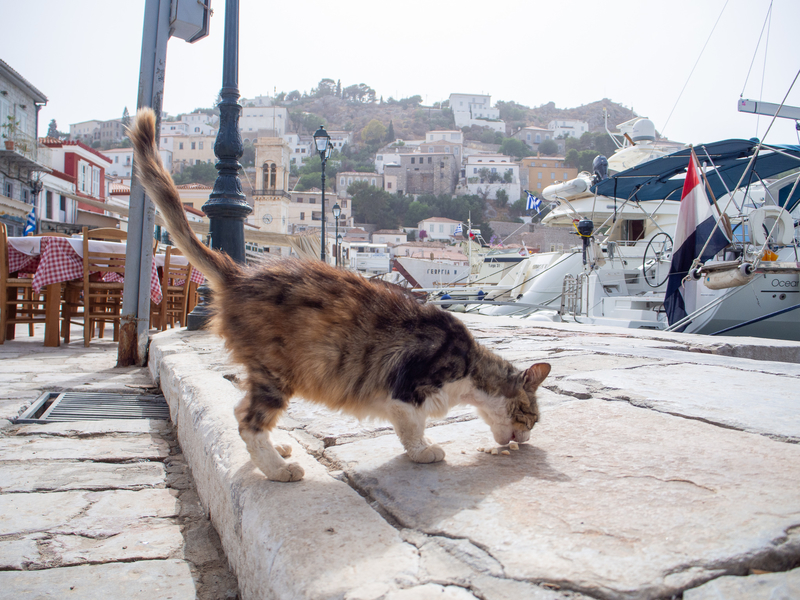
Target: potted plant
9, 128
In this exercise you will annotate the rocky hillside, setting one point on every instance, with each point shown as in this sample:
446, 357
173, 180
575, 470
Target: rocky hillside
411, 121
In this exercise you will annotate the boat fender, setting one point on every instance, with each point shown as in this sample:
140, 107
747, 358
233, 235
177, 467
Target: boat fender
695, 274
735, 277
481, 294
445, 297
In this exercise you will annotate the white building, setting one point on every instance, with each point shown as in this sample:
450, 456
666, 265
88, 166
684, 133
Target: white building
476, 109
568, 128
438, 228
122, 161
272, 119
496, 165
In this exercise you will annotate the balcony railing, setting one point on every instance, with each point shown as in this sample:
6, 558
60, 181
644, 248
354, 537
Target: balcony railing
23, 144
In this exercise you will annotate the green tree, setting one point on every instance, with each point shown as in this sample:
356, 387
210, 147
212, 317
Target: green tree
416, 212
487, 136
126, 117
514, 147
373, 132
305, 121
52, 129
548, 148
374, 206
200, 172
502, 198
326, 87
390, 137
573, 158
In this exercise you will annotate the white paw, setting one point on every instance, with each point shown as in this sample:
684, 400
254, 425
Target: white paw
285, 450
288, 472
429, 454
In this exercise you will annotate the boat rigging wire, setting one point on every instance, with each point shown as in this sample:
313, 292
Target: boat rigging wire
663, 129
755, 52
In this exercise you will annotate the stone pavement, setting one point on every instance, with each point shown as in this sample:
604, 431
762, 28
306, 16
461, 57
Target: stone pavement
96, 509
664, 466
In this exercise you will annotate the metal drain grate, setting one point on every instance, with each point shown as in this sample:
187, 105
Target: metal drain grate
57, 407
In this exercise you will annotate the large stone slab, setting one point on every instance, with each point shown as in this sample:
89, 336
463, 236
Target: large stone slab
116, 448
606, 498
94, 514
142, 580
40, 476
751, 401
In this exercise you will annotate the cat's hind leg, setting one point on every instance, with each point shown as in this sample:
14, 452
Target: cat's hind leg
409, 425
257, 414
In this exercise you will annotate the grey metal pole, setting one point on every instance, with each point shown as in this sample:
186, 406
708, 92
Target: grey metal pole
227, 205
133, 339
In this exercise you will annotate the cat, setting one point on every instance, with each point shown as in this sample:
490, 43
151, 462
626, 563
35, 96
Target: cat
305, 328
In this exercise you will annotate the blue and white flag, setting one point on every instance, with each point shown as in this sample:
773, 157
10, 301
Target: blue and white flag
458, 230
30, 224
696, 223
533, 202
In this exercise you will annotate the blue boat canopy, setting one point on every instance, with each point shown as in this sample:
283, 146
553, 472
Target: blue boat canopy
663, 177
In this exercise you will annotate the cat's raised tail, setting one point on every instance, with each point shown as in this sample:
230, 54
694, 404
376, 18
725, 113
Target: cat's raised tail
158, 184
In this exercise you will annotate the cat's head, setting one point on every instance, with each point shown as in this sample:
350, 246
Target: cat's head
517, 412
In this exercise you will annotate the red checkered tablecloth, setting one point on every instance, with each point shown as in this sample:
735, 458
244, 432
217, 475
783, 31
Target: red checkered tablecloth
58, 261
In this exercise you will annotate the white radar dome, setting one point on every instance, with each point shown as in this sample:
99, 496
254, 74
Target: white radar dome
643, 130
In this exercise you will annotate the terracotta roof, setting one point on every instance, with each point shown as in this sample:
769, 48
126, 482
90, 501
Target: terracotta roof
120, 190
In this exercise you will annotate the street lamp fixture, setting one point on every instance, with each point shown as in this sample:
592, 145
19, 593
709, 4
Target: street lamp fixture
337, 210
339, 246
323, 143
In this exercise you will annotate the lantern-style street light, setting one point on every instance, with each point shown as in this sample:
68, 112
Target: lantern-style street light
337, 210
323, 143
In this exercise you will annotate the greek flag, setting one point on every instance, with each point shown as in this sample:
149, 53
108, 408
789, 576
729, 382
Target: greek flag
458, 230
533, 202
30, 225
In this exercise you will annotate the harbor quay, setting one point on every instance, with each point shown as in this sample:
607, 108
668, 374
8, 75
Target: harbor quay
664, 465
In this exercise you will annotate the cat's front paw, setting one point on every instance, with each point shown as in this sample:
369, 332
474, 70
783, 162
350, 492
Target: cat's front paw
287, 472
429, 454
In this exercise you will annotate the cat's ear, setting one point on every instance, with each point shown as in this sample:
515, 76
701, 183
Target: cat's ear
535, 375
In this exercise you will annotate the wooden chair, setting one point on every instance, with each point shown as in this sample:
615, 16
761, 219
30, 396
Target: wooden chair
99, 300
175, 291
51, 234
18, 302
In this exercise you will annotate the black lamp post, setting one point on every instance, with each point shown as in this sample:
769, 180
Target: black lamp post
227, 205
337, 210
338, 246
324, 147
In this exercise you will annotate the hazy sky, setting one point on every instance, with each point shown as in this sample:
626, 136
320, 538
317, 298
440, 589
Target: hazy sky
84, 55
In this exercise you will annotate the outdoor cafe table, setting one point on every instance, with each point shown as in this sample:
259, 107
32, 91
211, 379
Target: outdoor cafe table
54, 260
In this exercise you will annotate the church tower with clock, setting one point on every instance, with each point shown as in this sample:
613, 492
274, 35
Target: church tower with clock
271, 197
